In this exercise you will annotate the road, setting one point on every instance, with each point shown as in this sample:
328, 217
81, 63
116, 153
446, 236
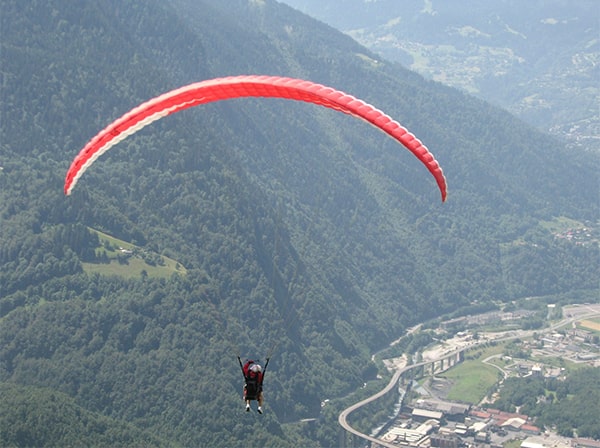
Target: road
342, 419
592, 310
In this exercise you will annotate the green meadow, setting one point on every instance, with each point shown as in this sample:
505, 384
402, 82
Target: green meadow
472, 379
124, 259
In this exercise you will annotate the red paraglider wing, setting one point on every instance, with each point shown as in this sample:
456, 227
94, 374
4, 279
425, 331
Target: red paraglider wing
238, 87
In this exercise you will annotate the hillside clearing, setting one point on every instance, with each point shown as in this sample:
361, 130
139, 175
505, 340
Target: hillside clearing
127, 260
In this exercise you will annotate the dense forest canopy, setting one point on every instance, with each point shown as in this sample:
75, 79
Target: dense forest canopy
303, 233
567, 404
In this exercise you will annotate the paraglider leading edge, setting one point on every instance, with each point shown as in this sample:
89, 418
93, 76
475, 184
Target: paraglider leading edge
246, 86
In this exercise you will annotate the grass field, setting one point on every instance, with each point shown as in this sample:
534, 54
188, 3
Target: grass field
560, 224
133, 268
472, 381
590, 324
132, 265
111, 240
472, 378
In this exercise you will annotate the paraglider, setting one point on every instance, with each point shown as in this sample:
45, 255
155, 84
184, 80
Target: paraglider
246, 86
254, 375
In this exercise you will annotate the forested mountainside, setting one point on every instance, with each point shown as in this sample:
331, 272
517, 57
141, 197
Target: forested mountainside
249, 227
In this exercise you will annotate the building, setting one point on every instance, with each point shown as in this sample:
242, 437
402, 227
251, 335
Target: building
528, 443
530, 429
451, 411
482, 415
408, 436
445, 441
513, 424
478, 427
420, 415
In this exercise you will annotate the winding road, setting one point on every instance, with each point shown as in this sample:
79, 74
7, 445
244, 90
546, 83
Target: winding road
593, 310
342, 419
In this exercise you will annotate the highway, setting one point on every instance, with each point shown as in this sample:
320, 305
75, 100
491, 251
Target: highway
590, 311
342, 419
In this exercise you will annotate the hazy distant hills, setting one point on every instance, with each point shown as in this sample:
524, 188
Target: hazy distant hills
539, 60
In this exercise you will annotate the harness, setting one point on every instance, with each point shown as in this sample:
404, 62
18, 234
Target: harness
253, 381
253, 387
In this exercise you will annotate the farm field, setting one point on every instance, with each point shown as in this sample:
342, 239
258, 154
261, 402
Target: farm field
472, 381
127, 260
